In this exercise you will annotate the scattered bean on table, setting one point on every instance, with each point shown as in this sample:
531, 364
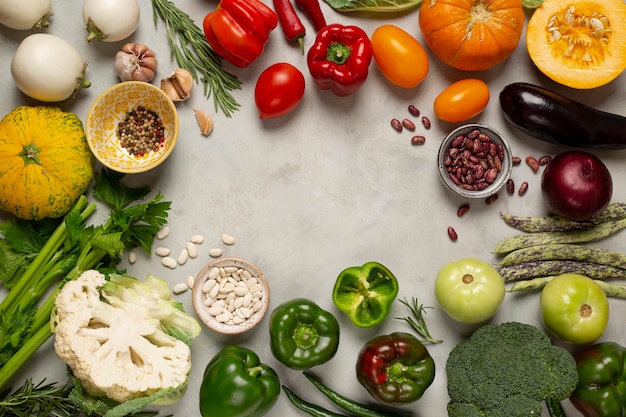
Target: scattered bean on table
533, 163
215, 252
228, 239
163, 233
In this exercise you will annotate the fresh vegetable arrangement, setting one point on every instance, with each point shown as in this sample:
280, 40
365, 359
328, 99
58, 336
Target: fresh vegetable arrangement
127, 344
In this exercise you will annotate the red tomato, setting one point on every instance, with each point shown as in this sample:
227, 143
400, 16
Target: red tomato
462, 100
399, 56
278, 90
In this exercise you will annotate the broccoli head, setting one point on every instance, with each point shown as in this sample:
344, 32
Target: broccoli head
508, 370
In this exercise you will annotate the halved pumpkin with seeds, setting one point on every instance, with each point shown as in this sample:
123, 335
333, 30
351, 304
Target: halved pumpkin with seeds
578, 43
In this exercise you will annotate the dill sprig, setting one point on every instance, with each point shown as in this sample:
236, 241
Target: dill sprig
417, 322
191, 51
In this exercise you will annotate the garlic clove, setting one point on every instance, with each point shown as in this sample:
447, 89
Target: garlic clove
204, 121
178, 84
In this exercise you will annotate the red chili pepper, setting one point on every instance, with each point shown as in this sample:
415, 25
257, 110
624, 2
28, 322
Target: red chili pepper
292, 26
313, 11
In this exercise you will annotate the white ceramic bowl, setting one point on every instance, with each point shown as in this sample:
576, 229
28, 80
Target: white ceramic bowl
244, 317
111, 107
478, 186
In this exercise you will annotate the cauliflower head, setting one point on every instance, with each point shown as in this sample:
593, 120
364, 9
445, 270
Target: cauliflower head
122, 338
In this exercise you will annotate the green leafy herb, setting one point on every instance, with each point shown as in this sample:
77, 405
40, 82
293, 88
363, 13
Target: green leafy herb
192, 52
377, 6
417, 321
54, 400
72, 248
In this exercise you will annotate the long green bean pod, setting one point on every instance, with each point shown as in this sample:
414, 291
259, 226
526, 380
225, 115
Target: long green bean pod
537, 224
537, 284
353, 407
525, 240
530, 270
306, 407
565, 251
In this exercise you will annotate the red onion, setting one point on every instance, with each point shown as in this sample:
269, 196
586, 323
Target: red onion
576, 185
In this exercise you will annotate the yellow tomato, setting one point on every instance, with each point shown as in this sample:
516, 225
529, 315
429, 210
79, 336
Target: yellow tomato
462, 100
399, 56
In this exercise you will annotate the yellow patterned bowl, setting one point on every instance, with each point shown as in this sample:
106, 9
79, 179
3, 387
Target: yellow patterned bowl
111, 108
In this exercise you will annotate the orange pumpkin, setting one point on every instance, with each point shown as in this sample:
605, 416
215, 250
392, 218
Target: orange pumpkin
471, 35
579, 43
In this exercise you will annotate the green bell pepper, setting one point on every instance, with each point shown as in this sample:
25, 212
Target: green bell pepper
601, 381
302, 334
395, 368
237, 384
365, 293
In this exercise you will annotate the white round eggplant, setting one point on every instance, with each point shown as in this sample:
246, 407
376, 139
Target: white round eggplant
48, 68
110, 20
25, 15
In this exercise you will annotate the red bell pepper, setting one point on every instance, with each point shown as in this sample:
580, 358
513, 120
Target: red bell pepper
339, 58
237, 30
395, 368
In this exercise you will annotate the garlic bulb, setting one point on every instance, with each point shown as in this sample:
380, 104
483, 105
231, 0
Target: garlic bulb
178, 85
136, 62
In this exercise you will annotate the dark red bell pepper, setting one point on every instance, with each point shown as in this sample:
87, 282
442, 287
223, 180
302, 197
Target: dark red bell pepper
237, 30
395, 368
339, 58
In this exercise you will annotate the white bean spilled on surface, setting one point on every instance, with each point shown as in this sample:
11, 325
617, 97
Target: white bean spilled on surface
183, 256
180, 288
215, 252
163, 233
162, 251
192, 249
169, 262
197, 239
232, 294
228, 239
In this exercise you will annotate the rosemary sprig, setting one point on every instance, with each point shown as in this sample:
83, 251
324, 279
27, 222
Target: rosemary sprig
417, 322
191, 51
51, 400
39, 400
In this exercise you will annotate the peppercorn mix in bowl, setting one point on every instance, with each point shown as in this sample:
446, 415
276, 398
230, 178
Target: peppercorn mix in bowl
475, 161
230, 295
132, 127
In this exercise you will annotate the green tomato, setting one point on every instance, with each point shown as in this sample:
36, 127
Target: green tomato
469, 290
574, 308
